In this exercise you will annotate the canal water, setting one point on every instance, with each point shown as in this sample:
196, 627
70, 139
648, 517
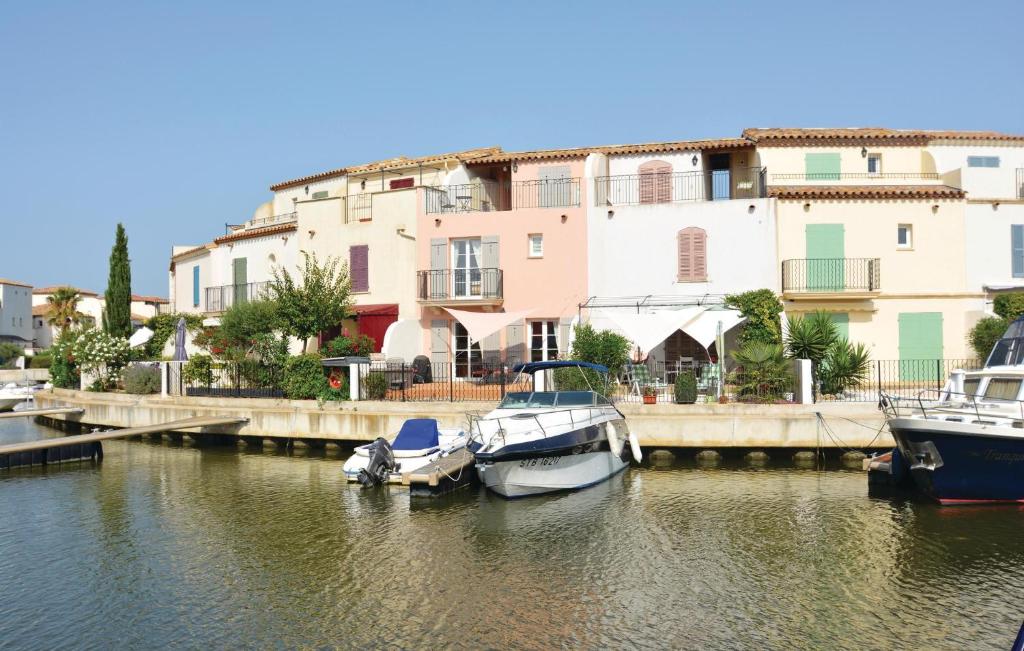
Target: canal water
171, 545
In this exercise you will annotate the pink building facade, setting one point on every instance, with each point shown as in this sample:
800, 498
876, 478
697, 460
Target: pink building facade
507, 234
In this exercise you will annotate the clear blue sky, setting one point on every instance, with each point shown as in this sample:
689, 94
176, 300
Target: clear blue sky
175, 117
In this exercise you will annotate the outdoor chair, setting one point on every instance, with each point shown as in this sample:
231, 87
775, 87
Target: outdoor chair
640, 376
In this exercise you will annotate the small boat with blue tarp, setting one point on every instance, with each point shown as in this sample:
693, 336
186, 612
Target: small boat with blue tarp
541, 441
419, 444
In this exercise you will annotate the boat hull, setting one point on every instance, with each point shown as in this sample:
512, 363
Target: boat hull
9, 403
549, 474
956, 463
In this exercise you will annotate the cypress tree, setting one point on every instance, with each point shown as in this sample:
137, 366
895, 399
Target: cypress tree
117, 314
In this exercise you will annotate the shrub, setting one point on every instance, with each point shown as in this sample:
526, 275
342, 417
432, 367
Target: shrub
343, 346
102, 354
811, 336
604, 347
376, 386
762, 309
9, 353
244, 326
64, 371
141, 379
764, 372
304, 378
845, 365
198, 370
1009, 306
686, 388
41, 360
985, 333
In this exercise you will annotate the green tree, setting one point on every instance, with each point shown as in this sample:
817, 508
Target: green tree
9, 353
245, 327
811, 336
763, 373
63, 303
604, 347
762, 309
117, 313
1009, 306
985, 333
315, 302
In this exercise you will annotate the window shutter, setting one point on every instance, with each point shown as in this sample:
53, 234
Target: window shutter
655, 182
693, 255
700, 255
439, 338
359, 267
397, 184
515, 344
195, 287
685, 256
1017, 237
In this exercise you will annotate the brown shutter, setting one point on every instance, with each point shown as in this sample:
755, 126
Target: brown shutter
359, 267
700, 255
685, 256
655, 182
693, 255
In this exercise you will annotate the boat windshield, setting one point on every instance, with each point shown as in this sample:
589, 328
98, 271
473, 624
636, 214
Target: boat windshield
1009, 350
531, 400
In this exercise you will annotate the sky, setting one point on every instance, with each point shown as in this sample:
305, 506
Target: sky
175, 118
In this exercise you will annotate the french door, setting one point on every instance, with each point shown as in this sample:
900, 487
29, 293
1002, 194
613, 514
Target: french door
543, 341
468, 359
466, 275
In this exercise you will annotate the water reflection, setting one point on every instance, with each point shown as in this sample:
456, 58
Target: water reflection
176, 544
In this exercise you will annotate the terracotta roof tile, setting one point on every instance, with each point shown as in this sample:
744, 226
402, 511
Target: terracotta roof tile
640, 148
783, 136
866, 192
388, 164
41, 310
254, 232
53, 288
149, 299
7, 281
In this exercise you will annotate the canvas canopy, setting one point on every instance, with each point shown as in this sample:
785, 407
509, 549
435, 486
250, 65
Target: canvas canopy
139, 337
704, 328
481, 325
648, 330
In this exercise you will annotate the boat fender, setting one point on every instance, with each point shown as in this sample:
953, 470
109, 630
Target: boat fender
634, 445
614, 442
380, 464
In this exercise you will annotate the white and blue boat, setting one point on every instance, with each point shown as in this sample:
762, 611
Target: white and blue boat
418, 444
966, 444
540, 441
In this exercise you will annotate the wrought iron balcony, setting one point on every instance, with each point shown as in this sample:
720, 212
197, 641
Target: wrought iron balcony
488, 196
284, 218
221, 298
860, 177
664, 187
454, 286
831, 276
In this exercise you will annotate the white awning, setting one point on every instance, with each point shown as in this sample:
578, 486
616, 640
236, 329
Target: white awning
481, 325
1004, 286
648, 330
704, 328
139, 337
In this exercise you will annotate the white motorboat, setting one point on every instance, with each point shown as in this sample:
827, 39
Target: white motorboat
418, 444
11, 395
545, 441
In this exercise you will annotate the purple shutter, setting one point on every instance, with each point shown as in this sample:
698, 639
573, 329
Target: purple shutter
359, 267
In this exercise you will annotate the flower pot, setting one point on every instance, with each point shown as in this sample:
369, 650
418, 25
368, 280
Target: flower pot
650, 400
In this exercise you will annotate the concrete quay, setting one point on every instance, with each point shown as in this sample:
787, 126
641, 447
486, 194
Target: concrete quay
702, 426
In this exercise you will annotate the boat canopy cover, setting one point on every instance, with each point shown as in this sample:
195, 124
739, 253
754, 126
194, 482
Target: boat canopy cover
533, 367
417, 434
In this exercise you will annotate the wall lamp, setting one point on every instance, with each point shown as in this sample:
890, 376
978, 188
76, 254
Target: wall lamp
935, 208
807, 207
515, 166
694, 160
611, 213
863, 152
311, 233
565, 218
751, 208
437, 221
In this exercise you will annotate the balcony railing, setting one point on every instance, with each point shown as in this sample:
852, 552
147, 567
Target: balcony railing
853, 176
221, 298
655, 187
831, 275
360, 206
487, 196
283, 218
454, 285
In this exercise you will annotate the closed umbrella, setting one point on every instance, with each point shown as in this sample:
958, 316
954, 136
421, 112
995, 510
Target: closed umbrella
179, 342
139, 337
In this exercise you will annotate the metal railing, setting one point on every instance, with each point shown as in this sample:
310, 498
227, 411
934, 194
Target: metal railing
360, 206
831, 275
946, 402
895, 377
654, 187
487, 196
245, 379
283, 218
459, 284
482, 377
856, 176
221, 298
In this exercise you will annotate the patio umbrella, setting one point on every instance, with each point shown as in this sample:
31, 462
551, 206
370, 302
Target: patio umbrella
179, 342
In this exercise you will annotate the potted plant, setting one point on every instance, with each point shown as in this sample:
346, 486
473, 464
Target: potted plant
650, 395
686, 388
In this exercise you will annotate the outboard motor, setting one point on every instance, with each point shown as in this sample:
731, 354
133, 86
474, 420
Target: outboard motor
380, 464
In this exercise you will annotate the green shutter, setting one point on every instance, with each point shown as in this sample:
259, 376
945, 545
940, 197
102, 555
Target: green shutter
821, 167
825, 257
1017, 250
920, 345
238, 268
195, 286
842, 321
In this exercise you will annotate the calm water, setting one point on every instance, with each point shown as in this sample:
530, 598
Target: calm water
173, 545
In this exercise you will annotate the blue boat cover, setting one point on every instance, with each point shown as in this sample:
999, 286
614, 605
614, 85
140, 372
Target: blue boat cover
533, 367
417, 434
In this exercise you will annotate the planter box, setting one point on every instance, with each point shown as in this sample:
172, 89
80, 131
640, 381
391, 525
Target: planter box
650, 400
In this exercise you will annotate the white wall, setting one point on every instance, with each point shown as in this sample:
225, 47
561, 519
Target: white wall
982, 182
284, 200
987, 240
181, 284
16, 311
681, 161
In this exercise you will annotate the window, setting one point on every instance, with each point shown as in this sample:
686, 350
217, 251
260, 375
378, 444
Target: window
398, 184
655, 182
904, 236
359, 267
467, 355
543, 341
874, 163
693, 258
1002, 389
1017, 250
982, 161
322, 194
536, 245
195, 286
466, 274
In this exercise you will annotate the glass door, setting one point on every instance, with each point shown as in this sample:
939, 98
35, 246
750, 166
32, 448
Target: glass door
466, 273
468, 359
543, 341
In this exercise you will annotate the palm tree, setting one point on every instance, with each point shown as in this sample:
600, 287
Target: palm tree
64, 308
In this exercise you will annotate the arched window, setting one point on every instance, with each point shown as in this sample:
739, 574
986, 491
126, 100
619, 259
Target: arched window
693, 255
655, 182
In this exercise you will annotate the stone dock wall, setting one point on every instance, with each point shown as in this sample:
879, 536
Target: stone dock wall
853, 425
